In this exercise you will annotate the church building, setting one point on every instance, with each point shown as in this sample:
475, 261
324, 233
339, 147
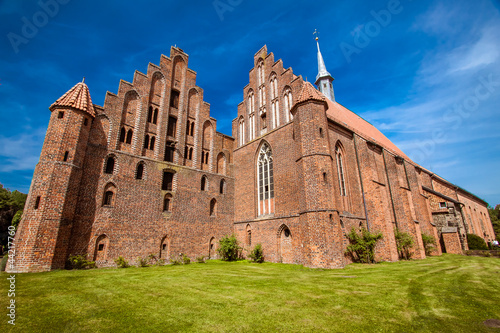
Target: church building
148, 173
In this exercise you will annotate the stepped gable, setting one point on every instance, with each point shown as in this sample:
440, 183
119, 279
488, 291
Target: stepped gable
78, 98
355, 123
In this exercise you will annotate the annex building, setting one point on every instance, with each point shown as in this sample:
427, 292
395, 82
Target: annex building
148, 173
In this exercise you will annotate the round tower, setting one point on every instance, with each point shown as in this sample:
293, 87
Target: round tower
44, 232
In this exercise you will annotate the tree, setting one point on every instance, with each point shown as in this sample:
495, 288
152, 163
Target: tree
11, 203
495, 219
229, 250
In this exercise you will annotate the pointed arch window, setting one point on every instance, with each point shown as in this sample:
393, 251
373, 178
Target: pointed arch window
204, 186
146, 141
167, 203
241, 134
155, 116
122, 134
150, 114
287, 102
130, 133
265, 180
152, 143
222, 186
213, 207
341, 171
139, 171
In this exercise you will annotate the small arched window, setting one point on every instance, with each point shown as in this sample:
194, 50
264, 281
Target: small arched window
222, 186
249, 235
66, 154
167, 203
110, 165
204, 186
206, 158
213, 207
130, 133
188, 126
146, 141
122, 134
139, 171
192, 128
191, 153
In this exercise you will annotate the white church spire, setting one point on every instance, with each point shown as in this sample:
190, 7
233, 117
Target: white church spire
324, 79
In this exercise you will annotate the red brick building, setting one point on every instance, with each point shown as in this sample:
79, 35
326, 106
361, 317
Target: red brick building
148, 173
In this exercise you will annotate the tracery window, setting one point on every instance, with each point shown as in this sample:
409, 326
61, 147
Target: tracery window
287, 100
265, 180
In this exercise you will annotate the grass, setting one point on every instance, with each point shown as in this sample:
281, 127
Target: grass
450, 293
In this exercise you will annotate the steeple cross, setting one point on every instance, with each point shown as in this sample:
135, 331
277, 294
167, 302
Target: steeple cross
316, 33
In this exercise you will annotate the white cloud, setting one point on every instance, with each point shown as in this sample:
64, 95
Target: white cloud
21, 152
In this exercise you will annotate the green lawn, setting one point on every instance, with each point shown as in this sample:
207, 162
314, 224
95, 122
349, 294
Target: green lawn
440, 294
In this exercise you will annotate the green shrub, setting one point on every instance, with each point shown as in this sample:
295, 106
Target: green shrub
200, 260
429, 243
142, 262
361, 247
80, 262
121, 262
476, 243
160, 262
257, 255
229, 250
404, 244
185, 260
175, 261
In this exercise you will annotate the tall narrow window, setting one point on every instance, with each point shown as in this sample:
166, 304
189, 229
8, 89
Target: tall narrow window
130, 133
188, 125
192, 128
152, 143
191, 153
222, 186
66, 154
37, 202
169, 152
172, 124
150, 114
206, 158
340, 166
203, 186
122, 135
155, 116
168, 179
213, 207
167, 203
146, 142
241, 134
287, 100
174, 99
110, 165
265, 180
140, 171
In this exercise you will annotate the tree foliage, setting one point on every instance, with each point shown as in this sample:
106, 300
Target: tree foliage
362, 247
404, 244
476, 243
495, 220
11, 205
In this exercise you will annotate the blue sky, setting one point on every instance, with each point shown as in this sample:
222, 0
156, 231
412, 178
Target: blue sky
426, 73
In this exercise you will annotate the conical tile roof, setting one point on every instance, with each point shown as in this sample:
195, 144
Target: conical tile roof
308, 92
77, 97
